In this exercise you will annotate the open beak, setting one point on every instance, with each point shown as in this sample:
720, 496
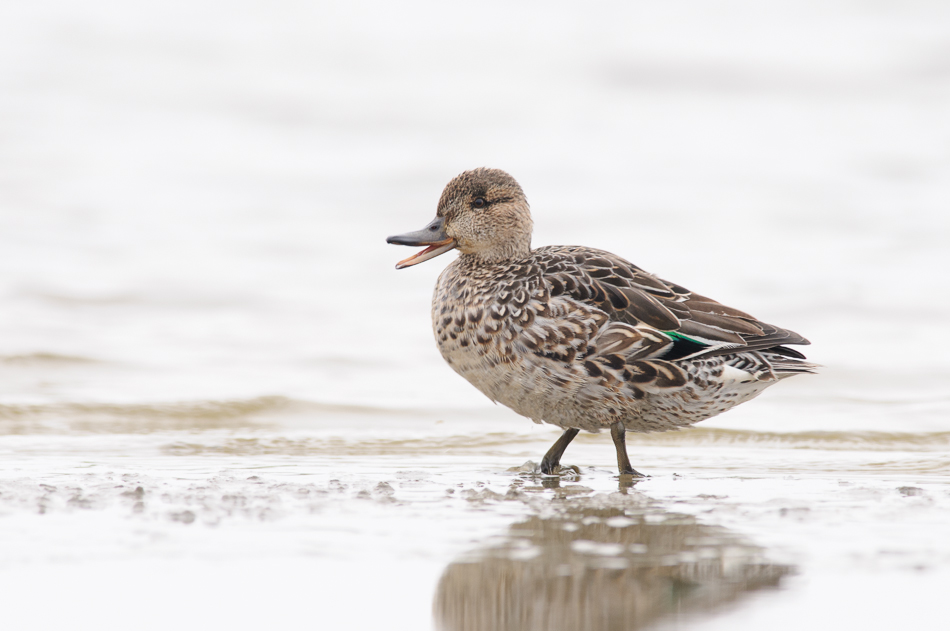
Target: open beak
432, 235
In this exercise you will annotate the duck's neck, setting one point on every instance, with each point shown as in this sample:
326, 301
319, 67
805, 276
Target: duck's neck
502, 253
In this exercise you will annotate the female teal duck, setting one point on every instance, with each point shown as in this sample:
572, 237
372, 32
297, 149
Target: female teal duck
579, 337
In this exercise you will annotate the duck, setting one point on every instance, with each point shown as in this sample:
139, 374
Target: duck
579, 337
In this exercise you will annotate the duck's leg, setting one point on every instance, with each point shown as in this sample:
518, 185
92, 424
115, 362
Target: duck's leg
552, 459
618, 433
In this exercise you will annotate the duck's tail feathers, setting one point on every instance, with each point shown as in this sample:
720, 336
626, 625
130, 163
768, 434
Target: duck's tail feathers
785, 364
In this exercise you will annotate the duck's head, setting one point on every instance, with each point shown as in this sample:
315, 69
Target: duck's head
483, 213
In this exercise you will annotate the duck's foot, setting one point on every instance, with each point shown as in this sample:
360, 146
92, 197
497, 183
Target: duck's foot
563, 470
619, 433
559, 470
552, 460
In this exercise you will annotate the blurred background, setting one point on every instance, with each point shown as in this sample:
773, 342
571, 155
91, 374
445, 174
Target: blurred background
195, 196
194, 200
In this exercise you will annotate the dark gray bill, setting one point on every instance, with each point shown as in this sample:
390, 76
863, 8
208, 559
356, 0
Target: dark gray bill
432, 235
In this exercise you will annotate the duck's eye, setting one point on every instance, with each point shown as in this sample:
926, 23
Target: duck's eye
479, 202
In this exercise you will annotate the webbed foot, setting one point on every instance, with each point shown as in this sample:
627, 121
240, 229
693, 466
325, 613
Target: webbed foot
551, 462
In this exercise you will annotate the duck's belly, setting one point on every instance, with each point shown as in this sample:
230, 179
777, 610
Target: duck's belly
548, 391
529, 385
515, 382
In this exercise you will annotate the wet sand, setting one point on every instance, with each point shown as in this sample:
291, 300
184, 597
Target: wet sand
257, 520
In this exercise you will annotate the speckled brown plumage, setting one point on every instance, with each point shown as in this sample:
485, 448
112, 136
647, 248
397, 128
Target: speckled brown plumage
580, 337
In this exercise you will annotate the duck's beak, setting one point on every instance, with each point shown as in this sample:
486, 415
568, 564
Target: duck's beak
432, 235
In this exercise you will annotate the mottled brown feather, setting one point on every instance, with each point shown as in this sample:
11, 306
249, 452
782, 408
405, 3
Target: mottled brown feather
585, 273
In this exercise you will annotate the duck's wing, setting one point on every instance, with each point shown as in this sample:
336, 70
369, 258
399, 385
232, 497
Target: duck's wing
698, 326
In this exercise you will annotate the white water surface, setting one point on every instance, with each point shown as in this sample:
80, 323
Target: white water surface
198, 301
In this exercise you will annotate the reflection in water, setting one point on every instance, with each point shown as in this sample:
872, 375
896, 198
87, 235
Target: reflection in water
597, 563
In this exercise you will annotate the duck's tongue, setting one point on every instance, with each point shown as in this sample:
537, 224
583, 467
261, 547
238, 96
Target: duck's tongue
432, 235
430, 252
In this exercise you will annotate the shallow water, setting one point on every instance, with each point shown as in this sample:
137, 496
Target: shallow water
221, 406
366, 518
